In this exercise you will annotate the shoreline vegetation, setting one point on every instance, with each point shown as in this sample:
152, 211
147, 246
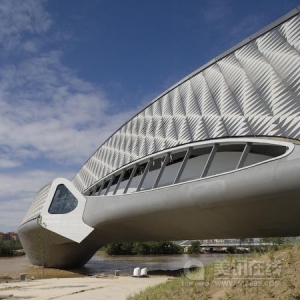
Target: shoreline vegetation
10, 248
279, 279
142, 248
167, 247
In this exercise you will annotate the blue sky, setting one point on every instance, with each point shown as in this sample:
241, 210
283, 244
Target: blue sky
73, 71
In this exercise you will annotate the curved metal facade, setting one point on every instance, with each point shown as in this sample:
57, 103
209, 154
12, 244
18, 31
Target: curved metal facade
252, 91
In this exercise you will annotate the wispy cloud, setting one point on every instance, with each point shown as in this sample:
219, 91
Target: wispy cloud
8, 163
51, 110
215, 11
17, 190
21, 19
247, 26
45, 106
48, 114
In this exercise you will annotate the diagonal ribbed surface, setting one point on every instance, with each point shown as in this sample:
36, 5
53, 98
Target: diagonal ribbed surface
37, 204
253, 91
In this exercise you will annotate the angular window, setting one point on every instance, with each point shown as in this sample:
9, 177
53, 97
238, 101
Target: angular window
63, 201
113, 184
124, 182
196, 163
102, 192
226, 159
153, 171
127, 174
171, 168
261, 152
98, 188
137, 177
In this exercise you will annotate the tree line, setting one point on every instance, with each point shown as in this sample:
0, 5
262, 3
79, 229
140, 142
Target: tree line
142, 248
166, 247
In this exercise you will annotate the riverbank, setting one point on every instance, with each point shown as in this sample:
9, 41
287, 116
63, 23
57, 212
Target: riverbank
109, 287
273, 275
12, 267
102, 263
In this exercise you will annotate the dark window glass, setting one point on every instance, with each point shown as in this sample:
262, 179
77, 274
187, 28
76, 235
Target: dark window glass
104, 187
269, 150
140, 169
231, 148
156, 164
63, 201
106, 184
116, 179
176, 158
196, 163
127, 174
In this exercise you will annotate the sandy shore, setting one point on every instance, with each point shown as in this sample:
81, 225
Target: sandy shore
78, 288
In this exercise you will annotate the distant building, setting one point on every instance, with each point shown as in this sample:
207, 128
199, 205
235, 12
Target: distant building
214, 241
9, 236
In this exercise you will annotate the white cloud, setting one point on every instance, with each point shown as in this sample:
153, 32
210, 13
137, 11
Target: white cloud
22, 184
20, 18
11, 214
215, 11
17, 193
8, 163
30, 46
49, 109
48, 114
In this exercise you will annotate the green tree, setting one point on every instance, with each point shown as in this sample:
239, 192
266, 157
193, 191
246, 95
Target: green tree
194, 248
141, 248
119, 248
6, 248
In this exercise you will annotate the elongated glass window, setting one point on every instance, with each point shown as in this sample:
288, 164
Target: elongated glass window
137, 177
200, 163
153, 171
261, 152
113, 184
172, 168
106, 183
196, 163
97, 190
226, 159
63, 201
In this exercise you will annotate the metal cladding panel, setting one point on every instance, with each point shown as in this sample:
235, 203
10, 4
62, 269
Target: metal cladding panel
253, 91
37, 204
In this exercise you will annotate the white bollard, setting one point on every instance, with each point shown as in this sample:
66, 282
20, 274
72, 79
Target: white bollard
144, 272
136, 272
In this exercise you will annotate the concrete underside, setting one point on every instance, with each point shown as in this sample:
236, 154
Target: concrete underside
259, 201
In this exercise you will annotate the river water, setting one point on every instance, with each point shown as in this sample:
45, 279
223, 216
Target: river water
105, 264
